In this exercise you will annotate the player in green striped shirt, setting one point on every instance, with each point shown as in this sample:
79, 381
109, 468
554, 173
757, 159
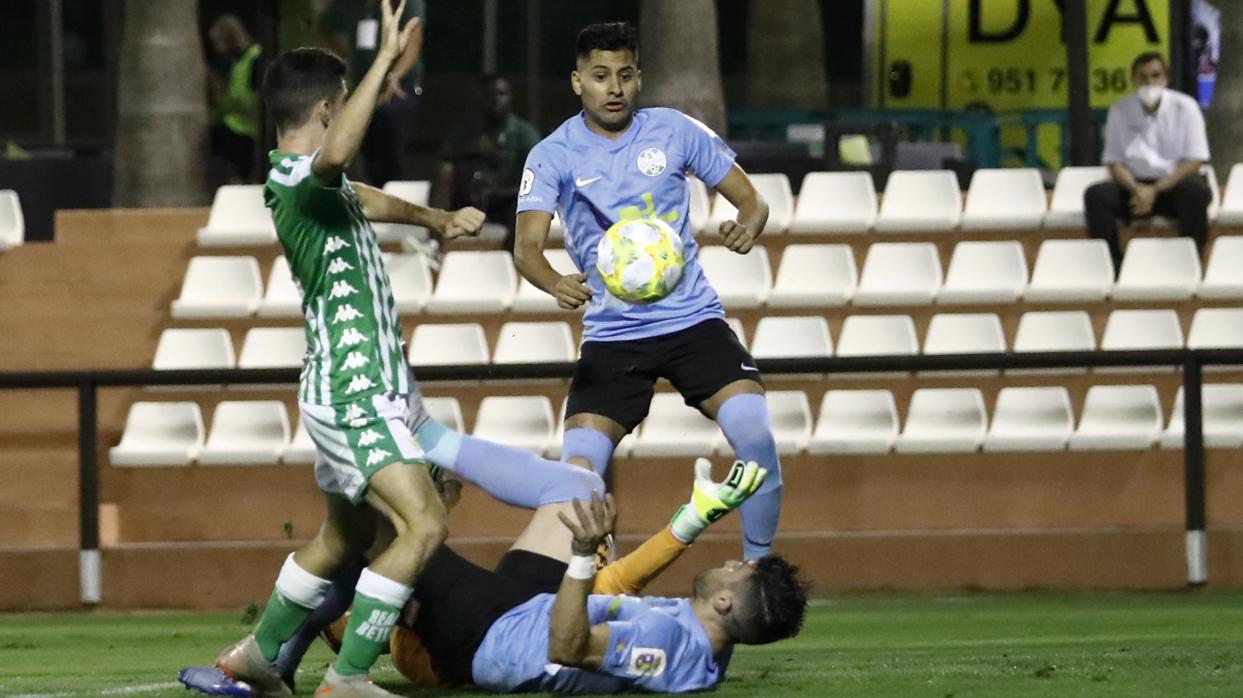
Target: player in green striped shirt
374, 440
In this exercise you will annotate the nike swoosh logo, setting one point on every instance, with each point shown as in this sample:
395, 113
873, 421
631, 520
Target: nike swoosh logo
584, 182
749, 368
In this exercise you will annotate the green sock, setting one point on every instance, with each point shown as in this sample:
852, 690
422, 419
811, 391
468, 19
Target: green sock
280, 620
366, 635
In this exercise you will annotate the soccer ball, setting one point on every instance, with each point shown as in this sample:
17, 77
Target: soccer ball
640, 260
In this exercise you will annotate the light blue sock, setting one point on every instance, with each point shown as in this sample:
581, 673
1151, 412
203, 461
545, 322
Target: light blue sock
744, 420
509, 474
590, 445
336, 602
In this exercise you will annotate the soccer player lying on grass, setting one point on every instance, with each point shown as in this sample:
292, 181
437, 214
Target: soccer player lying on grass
531, 624
374, 439
613, 164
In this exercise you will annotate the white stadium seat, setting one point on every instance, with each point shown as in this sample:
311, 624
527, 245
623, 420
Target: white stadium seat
674, 429
411, 280
474, 282
1063, 330
899, 273
532, 300
985, 272
812, 276
1158, 269
1118, 417
964, 333
1071, 271
855, 421
160, 433
1030, 419
1142, 329
219, 287
1216, 328
273, 347
556, 229
447, 344
780, 337
1000, 199
835, 202
447, 411
1221, 410
301, 449
1066, 207
700, 206
534, 342
413, 191
1231, 211
775, 189
238, 217
12, 221
524, 422
943, 420
878, 335
927, 200
790, 415
183, 348
246, 432
741, 280
1222, 278
281, 297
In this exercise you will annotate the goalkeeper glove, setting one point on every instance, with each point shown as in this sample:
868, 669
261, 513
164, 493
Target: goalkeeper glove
712, 500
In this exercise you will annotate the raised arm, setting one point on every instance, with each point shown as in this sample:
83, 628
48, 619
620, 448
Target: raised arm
386, 208
740, 234
572, 640
570, 290
345, 133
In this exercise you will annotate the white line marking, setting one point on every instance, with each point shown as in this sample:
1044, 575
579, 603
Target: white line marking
119, 691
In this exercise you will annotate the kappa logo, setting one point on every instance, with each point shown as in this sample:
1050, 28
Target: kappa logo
377, 626
346, 313
340, 289
359, 383
376, 456
355, 360
350, 338
334, 243
338, 265
354, 413
652, 161
646, 661
369, 437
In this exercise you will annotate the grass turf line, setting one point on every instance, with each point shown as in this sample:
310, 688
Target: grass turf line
1030, 644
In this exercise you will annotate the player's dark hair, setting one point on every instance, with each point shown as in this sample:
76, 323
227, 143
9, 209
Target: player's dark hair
774, 603
607, 36
297, 80
1146, 57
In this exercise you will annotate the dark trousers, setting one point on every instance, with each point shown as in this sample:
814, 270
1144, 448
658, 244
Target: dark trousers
387, 136
1105, 203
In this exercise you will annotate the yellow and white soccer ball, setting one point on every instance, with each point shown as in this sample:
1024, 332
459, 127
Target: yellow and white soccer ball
640, 260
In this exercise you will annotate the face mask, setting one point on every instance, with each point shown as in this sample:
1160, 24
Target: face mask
1149, 95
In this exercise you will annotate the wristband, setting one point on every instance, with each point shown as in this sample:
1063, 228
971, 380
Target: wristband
581, 567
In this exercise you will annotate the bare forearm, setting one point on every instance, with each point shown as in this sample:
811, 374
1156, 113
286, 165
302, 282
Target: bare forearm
570, 629
1123, 176
754, 214
386, 208
1185, 169
345, 134
411, 55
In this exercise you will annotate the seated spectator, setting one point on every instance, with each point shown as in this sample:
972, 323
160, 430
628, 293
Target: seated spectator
235, 97
481, 165
1155, 144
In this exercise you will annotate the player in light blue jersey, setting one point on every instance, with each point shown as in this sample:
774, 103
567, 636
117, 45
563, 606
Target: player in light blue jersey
612, 162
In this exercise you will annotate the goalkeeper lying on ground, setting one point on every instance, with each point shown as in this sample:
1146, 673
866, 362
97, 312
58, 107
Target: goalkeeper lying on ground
545, 620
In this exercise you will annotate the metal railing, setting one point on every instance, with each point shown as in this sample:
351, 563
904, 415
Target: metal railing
1191, 361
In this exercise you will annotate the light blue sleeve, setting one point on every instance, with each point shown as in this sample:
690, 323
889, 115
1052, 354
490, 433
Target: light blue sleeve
657, 654
541, 179
706, 154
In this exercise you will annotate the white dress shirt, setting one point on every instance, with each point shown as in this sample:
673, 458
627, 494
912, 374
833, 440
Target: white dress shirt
1150, 146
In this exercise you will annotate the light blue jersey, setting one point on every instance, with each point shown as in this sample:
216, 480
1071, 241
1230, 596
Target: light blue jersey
655, 645
596, 181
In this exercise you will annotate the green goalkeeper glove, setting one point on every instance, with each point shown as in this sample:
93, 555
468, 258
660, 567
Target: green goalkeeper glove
712, 500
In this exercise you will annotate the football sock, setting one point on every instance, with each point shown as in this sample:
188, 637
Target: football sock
377, 605
297, 593
631, 573
589, 444
509, 474
336, 602
745, 422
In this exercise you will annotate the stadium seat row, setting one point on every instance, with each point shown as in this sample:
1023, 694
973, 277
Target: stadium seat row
952, 420
828, 202
437, 344
902, 273
12, 221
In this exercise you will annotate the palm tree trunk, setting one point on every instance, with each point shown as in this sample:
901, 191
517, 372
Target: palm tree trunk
161, 140
1225, 132
785, 55
681, 64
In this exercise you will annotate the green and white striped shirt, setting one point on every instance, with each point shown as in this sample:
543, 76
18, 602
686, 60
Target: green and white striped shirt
353, 337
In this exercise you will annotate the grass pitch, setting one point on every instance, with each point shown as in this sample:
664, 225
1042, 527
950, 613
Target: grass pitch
1032, 644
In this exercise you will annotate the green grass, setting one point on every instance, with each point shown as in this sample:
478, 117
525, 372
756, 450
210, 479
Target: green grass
1031, 644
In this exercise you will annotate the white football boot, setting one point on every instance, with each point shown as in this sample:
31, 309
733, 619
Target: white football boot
244, 662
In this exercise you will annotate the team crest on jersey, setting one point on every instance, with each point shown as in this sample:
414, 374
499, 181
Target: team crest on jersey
652, 161
646, 661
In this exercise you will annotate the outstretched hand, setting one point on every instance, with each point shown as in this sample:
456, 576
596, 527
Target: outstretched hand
393, 37
711, 500
593, 522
